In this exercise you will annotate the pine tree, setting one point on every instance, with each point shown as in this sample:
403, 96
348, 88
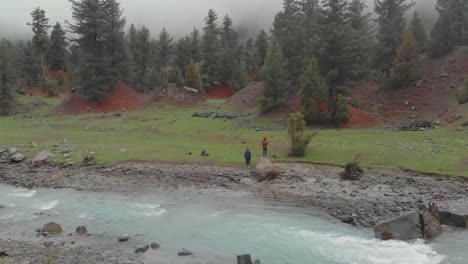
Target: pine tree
141, 58
183, 54
57, 51
335, 59
419, 32
261, 44
360, 42
7, 76
313, 89
40, 25
132, 43
229, 44
310, 14
211, 47
114, 40
165, 44
30, 66
193, 77
405, 70
90, 27
297, 135
273, 73
391, 26
252, 59
195, 44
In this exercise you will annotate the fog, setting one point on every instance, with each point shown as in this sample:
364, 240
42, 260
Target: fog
178, 16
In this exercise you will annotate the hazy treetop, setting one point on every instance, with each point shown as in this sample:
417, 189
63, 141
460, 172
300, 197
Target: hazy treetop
178, 16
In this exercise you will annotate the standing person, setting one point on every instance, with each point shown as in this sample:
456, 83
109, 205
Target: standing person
265, 143
248, 158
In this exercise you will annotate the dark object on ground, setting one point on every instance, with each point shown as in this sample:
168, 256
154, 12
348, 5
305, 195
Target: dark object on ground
124, 238
215, 115
184, 252
204, 153
417, 125
51, 228
353, 171
244, 259
142, 249
88, 160
465, 124
81, 230
346, 219
3, 254
154, 245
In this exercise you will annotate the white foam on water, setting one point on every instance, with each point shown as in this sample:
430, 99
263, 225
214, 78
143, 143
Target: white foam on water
148, 206
48, 205
156, 212
356, 250
23, 193
218, 213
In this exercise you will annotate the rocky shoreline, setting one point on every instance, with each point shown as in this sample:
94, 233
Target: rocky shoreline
378, 196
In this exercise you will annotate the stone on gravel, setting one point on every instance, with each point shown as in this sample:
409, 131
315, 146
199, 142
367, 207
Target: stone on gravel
405, 227
184, 252
451, 213
124, 238
51, 228
244, 259
265, 170
142, 250
12, 151
17, 157
432, 227
42, 158
154, 245
81, 230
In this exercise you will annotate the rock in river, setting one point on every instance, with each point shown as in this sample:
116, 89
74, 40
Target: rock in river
432, 227
142, 249
405, 227
451, 213
244, 259
81, 230
184, 252
154, 245
124, 238
51, 228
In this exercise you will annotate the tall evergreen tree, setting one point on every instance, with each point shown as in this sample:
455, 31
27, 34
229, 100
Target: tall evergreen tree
310, 14
193, 77
391, 26
141, 58
211, 47
40, 25
261, 44
183, 54
313, 89
335, 60
405, 70
252, 59
7, 76
273, 73
30, 66
165, 44
418, 31
57, 51
195, 44
229, 42
360, 41
132, 42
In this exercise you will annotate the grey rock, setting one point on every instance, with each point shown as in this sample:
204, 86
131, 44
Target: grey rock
142, 250
51, 228
42, 158
451, 213
265, 170
244, 259
405, 227
154, 245
184, 252
124, 238
257, 261
432, 227
18, 157
81, 230
12, 151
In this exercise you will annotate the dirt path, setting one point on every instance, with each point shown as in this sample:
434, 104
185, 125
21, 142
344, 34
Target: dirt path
378, 196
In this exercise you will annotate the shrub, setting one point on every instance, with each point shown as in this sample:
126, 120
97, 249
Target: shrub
297, 135
268, 104
353, 171
342, 111
51, 87
462, 93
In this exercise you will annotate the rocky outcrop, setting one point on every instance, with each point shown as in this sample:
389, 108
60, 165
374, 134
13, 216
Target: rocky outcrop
184, 252
42, 158
244, 259
51, 228
81, 230
142, 250
451, 213
405, 227
124, 238
265, 170
154, 246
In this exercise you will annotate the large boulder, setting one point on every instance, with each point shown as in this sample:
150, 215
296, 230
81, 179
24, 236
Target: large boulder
17, 157
51, 228
244, 259
265, 170
432, 227
42, 158
405, 227
451, 213
81, 230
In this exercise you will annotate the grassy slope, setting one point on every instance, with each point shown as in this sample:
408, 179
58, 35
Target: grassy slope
169, 134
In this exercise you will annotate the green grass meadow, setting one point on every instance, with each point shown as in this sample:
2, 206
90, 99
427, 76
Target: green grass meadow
168, 134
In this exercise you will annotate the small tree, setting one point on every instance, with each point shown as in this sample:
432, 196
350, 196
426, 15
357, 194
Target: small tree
193, 77
313, 88
7, 76
297, 135
419, 32
405, 69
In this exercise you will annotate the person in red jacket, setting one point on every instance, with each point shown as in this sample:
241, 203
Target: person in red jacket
265, 143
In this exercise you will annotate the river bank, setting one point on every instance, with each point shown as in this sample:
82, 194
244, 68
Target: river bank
378, 196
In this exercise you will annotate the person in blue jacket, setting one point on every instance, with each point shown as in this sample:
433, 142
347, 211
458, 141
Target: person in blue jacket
248, 157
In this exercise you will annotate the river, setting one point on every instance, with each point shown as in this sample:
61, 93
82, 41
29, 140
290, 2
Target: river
217, 225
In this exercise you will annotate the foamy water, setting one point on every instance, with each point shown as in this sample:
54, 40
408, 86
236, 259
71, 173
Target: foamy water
218, 225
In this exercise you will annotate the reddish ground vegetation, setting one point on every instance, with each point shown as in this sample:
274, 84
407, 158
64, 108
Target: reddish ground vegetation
432, 97
220, 91
56, 75
36, 91
123, 97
